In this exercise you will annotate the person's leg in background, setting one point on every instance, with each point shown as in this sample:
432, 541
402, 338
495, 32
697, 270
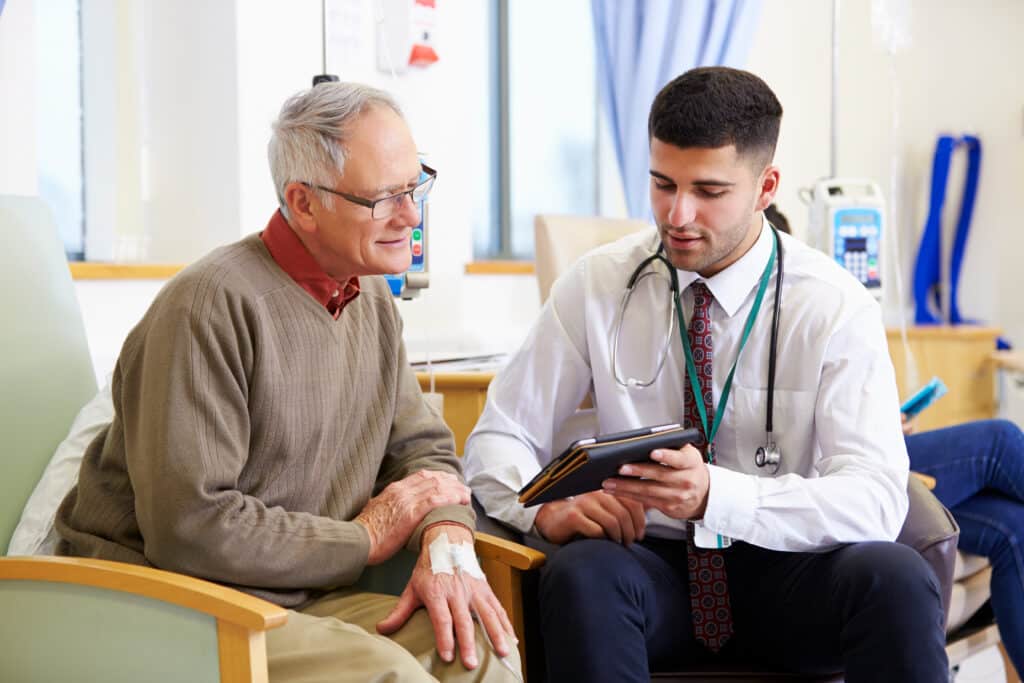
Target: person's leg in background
979, 473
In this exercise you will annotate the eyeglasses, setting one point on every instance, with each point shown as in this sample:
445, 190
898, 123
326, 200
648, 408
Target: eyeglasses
386, 207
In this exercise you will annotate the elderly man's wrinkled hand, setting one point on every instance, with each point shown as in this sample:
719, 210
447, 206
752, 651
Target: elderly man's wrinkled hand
392, 516
451, 601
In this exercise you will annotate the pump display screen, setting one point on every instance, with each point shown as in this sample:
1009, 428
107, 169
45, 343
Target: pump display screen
856, 234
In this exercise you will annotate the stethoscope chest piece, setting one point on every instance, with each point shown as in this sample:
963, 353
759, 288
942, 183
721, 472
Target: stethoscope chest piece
768, 456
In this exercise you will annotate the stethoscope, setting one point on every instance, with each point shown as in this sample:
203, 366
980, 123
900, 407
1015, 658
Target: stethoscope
767, 455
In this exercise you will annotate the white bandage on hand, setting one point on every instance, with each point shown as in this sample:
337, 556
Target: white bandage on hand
464, 557
446, 557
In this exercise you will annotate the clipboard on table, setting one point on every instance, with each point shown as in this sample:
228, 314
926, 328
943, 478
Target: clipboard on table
588, 462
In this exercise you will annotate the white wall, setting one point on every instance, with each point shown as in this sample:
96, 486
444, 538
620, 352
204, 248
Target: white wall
17, 99
958, 75
205, 168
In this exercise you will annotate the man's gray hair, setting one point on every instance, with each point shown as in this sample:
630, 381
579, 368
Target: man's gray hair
309, 135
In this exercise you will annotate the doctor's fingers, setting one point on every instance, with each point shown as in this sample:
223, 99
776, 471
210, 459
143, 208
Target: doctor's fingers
623, 512
676, 502
637, 513
685, 458
606, 515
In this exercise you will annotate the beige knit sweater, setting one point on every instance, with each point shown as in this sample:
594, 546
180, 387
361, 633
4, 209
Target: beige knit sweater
250, 428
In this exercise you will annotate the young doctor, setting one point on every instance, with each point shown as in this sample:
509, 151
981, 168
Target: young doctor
710, 557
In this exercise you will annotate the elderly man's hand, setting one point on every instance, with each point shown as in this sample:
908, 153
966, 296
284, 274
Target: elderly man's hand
676, 483
451, 600
391, 517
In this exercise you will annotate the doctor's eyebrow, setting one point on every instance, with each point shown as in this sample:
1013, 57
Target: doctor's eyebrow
700, 181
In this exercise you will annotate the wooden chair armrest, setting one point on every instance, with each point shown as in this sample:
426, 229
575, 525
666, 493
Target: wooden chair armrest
504, 563
222, 603
927, 480
513, 554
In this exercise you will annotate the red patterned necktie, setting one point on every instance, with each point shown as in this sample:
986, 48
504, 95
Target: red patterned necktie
709, 591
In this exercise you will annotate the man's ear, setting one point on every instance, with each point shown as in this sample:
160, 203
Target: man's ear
769, 185
302, 203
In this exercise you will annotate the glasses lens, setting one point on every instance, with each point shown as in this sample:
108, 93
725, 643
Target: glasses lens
389, 206
420, 192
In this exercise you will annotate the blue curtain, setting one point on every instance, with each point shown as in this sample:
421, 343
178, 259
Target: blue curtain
641, 46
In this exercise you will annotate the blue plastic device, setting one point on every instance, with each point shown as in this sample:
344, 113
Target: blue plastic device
927, 395
418, 245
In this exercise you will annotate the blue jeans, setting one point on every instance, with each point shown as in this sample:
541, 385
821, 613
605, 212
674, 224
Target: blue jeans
979, 468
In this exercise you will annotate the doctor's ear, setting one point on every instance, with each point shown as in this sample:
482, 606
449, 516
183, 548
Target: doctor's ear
768, 186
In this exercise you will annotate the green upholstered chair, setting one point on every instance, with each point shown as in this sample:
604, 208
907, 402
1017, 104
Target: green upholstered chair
88, 620
77, 619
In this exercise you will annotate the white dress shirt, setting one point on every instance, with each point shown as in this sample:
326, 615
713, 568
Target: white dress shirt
844, 467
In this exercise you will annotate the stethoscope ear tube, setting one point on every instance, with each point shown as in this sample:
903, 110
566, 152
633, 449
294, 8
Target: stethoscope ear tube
639, 274
773, 349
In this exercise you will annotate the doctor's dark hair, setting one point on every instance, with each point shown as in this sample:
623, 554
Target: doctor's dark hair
717, 106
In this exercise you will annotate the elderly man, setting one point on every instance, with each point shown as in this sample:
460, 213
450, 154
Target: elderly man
269, 433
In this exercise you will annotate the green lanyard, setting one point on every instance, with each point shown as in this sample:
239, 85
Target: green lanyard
691, 368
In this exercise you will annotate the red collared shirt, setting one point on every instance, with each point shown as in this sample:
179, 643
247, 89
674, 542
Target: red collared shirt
291, 254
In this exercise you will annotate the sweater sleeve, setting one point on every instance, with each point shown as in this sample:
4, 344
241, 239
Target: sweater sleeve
420, 439
184, 376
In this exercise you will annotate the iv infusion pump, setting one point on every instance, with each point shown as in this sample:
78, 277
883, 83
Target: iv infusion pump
847, 221
407, 285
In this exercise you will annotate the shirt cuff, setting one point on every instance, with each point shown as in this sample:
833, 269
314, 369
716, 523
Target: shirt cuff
732, 502
458, 514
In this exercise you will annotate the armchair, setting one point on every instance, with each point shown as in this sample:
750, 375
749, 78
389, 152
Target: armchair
83, 619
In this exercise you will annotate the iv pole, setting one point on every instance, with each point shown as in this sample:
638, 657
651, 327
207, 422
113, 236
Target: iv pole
323, 76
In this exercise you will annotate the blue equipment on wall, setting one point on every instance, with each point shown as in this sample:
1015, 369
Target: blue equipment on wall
928, 266
408, 284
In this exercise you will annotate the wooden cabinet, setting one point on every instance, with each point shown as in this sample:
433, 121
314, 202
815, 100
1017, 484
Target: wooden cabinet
464, 396
962, 357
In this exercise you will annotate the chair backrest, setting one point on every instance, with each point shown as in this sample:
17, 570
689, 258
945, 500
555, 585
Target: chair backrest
560, 240
46, 372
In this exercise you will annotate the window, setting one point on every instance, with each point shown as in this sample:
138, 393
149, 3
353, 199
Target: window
59, 118
544, 121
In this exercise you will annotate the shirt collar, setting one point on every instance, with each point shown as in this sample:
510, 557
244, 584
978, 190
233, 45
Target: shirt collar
732, 285
291, 254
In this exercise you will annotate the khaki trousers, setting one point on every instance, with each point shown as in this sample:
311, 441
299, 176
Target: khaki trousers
335, 639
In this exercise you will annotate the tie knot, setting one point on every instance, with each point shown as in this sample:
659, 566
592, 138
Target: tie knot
702, 296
